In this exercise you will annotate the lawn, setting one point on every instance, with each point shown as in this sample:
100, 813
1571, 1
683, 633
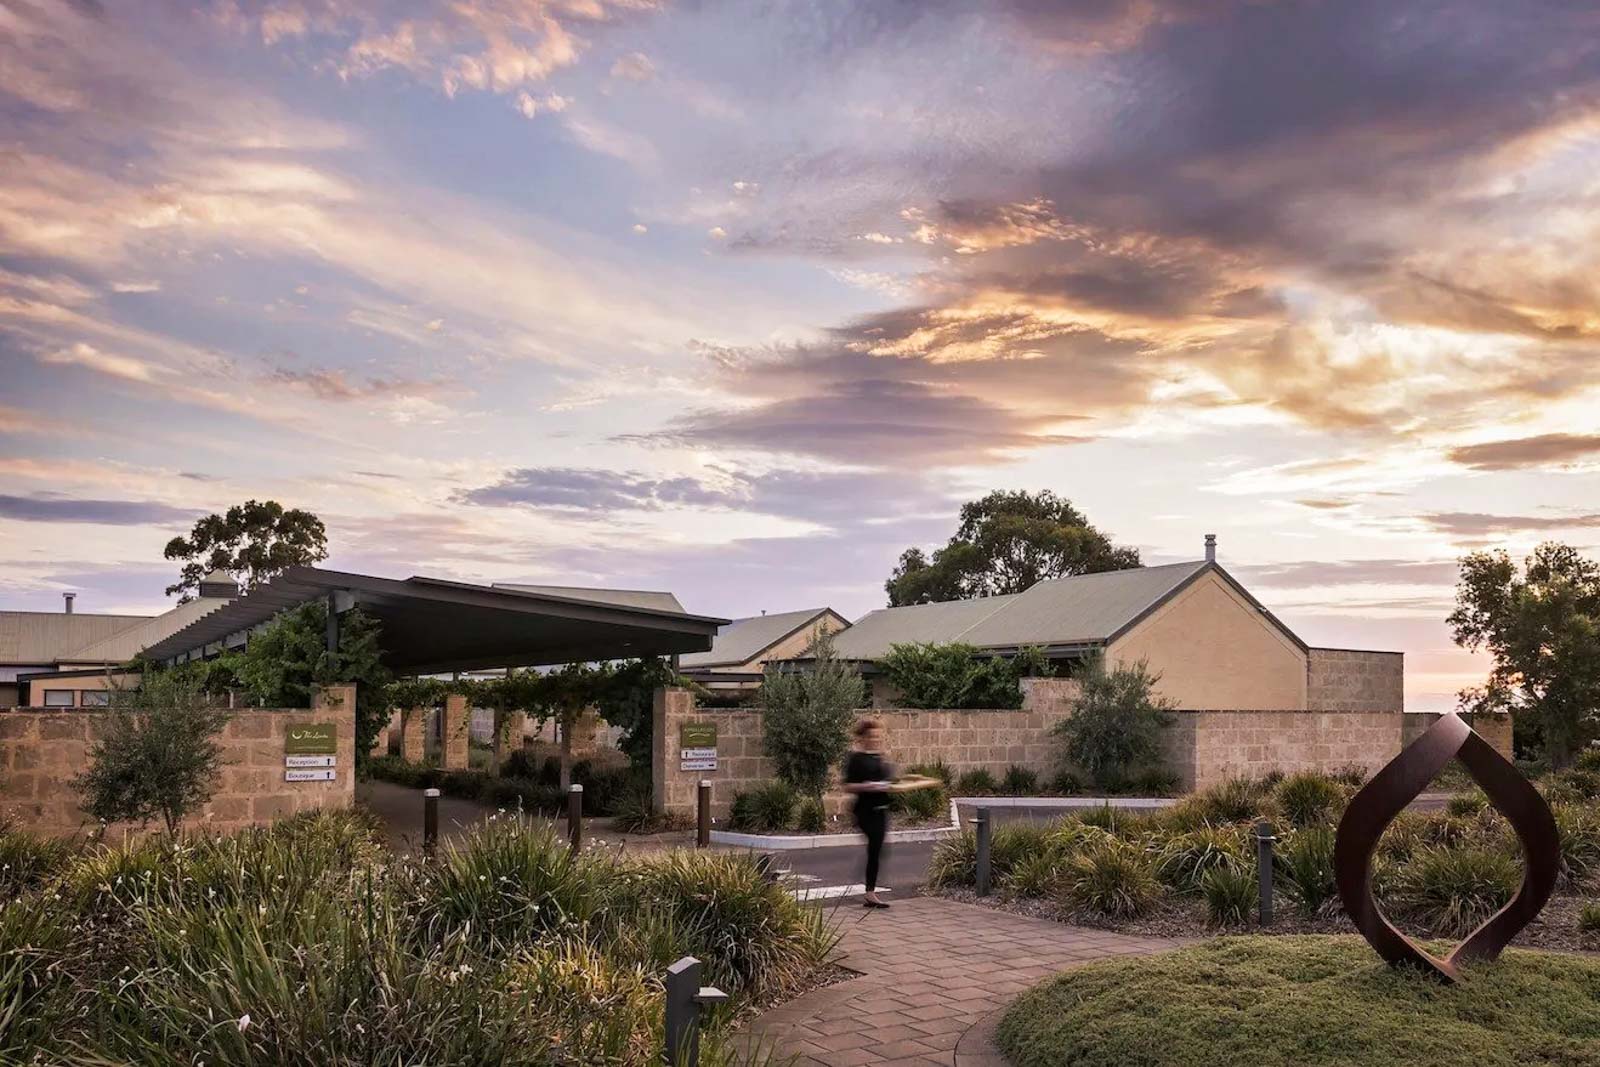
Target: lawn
1309, 1001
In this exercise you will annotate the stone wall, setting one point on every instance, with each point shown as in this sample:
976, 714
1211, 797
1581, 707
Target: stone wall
1495, 729
1208, 747
1340, 679
41, 752
964, 739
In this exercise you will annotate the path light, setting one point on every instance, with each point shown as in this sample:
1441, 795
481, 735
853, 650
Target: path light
1401, 782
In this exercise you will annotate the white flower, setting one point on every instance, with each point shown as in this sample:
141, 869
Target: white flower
244, 1022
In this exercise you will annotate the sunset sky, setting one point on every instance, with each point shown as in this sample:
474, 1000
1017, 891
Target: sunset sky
740, 299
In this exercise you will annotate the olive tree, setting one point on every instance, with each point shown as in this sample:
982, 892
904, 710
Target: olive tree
807, 715
1116, 722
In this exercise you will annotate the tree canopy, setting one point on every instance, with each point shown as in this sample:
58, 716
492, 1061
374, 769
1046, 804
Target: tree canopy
253, 542
1005, 543
1542, 628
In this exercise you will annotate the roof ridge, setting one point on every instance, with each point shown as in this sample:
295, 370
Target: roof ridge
1009, 598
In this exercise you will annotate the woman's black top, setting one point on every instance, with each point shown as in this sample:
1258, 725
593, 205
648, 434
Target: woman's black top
868, 767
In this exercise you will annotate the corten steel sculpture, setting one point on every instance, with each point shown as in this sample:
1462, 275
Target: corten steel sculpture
1398, 784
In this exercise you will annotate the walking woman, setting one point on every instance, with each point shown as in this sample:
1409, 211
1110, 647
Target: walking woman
868, 775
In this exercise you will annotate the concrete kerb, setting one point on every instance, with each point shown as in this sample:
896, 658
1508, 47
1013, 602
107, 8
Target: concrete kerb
781, 842
1068, 803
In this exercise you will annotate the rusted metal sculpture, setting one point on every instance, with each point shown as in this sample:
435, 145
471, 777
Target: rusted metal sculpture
1398, 784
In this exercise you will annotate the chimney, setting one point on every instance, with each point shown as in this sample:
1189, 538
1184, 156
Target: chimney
68, 598
1211, 548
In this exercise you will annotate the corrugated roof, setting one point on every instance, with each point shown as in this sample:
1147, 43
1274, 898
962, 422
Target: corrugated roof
742, 640
627, 598
875, 632
124, 645
1085, 609
42, 637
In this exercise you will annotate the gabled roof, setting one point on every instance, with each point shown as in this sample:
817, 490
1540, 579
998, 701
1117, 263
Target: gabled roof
627, 598
742, 640
126, 644
43, 637
1084, 611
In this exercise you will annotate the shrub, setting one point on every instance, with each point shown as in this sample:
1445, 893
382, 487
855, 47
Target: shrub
1037, 874
1305, 863
1155, 782
28, 862
1588, 759
1019, 782
1066, 784
1184, 860
1466, 805
1116, 721
955, 861
525, 794
1308, 797
766, 809
1579, 830
1589, 917
1354, 776
937, 769
1230, 893
921, 804
809, 817
1235, 800
466, 784
1582, 782
957, 675
976, 783
1453, 890
807, 716
159, 754
635, 812
1113, 879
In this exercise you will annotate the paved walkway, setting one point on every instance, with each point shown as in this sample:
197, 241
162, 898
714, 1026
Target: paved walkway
934, 974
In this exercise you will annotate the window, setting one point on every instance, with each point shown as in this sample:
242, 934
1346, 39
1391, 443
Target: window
94, 698
59, 698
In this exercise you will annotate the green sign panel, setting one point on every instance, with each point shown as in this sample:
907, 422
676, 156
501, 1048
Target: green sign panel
697, 735
312, 739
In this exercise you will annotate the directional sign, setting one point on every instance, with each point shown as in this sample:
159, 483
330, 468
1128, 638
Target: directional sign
309, 761
698, 765
308, 776
699, 753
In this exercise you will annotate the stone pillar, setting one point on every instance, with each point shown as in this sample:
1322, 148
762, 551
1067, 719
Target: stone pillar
380, 741
412, 743
454, 733
1495, 728
508, 738
668, 709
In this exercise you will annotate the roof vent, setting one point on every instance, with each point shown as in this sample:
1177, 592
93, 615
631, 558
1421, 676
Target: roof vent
1211, 548
218, 585
68, 598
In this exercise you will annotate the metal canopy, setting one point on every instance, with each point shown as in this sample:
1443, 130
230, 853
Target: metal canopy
431, 625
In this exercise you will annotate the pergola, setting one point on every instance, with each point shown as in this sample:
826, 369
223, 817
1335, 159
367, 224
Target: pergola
431, 626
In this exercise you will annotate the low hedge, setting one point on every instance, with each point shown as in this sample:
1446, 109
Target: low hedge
1308, 1001
605, 789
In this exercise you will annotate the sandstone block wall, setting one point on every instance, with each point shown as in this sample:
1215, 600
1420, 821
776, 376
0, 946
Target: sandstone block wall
1208, 747
41, 752
1495, 729
1339, 679
964, 739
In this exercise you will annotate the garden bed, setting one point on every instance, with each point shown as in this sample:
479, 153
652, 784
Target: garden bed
309, 943
1189, 870
1310, 1002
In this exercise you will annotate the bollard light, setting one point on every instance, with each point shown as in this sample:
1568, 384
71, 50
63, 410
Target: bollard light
575, 816
430, 821
1265, 836
702, 835
985, 832
684, 1000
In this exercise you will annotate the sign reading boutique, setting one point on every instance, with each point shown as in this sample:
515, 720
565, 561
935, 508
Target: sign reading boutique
310, 752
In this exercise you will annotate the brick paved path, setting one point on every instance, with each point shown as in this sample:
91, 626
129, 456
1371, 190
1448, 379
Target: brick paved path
934, 974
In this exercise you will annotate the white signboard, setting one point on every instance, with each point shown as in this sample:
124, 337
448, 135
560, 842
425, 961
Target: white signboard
308, 776
699, 753
698, 765
309, 761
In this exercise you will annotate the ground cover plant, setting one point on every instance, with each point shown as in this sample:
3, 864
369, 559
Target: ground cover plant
306, 942
1310, 1001
1193, 865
